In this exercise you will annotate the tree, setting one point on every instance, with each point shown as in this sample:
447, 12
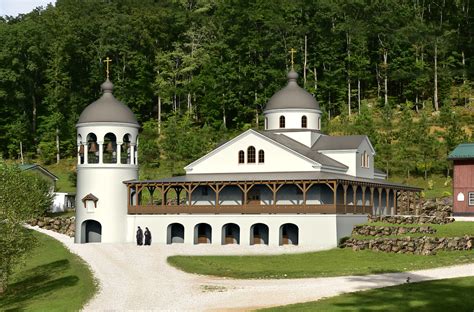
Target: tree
22, 197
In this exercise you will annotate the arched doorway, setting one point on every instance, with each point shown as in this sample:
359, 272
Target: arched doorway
259, 234
289, 234
230, 234
202, 233
175, 234
92, 231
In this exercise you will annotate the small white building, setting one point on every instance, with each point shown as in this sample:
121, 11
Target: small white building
287, 184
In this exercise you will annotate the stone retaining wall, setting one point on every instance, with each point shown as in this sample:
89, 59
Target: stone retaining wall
370, 230
413, 245
411, 219
63, 225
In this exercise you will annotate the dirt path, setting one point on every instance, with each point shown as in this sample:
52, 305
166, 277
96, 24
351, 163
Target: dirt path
139, 278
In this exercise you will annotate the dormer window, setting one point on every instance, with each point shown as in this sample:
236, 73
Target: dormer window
304, 122
241, 157
251, 155
282, 121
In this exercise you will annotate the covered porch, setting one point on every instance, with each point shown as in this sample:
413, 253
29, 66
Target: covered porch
201, 195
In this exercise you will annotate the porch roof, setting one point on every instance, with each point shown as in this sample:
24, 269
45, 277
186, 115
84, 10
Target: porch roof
256, 177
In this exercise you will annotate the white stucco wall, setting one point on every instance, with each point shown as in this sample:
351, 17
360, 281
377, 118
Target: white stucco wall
304, 137
319, 231
360, 171
111, 212
292, 118
224, 159
104, 181
346, 157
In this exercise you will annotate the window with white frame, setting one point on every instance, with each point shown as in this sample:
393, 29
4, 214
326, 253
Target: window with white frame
471, 198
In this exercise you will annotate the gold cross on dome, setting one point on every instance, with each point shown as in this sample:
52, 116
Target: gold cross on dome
107, 61
292, 51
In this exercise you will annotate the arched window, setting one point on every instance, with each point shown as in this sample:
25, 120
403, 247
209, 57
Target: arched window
241, 157
251, 155
266, 123
364, 160
125, 150
261, 156
304, 122
109, 149
282, 121
319, 123
92, 149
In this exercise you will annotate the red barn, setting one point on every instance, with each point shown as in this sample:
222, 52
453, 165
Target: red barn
463, 181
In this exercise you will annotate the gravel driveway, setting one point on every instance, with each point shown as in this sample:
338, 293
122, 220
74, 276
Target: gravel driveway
138, 278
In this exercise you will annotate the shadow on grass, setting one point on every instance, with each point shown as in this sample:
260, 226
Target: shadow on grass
416, 295
36, 282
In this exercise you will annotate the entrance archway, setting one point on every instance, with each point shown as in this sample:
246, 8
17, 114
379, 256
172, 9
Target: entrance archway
202, 233
259, 234
92, 231
289, 234
175, 234
230, 234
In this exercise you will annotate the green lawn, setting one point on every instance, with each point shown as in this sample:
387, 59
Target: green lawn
334, 262
457, 228
52, 279
443, 295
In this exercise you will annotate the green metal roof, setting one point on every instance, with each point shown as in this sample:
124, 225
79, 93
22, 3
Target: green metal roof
462, 151
26, 167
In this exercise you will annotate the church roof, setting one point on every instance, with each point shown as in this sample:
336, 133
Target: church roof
303, 149
292, 96
107, 109
327, 142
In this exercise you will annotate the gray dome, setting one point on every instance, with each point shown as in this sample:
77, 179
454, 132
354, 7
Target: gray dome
107, 108
292, 96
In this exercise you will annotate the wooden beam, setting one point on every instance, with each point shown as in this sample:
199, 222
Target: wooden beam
345, 186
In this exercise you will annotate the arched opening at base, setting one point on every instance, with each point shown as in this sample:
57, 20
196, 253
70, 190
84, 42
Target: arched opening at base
289, 234
175, 234
92, 232
230, 234
259, 234
202, 234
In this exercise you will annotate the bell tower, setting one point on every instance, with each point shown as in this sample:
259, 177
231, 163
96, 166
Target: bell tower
107, 136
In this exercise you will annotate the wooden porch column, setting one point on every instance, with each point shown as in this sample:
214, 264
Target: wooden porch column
304, 189
395, 202
217, 189
274, 188
137, 190
363, 197
245, 188
372, 189
387, 195
409, 201
345, 186
190, 189
380, 201
354, 198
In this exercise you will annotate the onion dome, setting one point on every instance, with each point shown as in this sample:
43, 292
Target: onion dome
292, 96
107, 108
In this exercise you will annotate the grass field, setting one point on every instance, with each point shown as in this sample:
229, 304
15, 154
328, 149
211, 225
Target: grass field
52, 279
334, 262
443, 295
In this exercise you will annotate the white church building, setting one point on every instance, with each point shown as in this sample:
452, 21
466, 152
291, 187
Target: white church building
287, 184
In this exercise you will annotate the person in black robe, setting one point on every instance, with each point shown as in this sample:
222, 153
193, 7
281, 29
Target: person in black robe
147, 237
139, 237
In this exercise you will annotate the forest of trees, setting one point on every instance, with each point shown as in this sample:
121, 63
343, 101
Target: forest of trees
198, 71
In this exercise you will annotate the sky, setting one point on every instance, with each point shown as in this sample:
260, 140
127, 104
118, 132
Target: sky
15, 7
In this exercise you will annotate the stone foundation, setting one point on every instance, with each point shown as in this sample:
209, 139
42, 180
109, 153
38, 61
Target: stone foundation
410, 245
63, 225
370, 230
410, 219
